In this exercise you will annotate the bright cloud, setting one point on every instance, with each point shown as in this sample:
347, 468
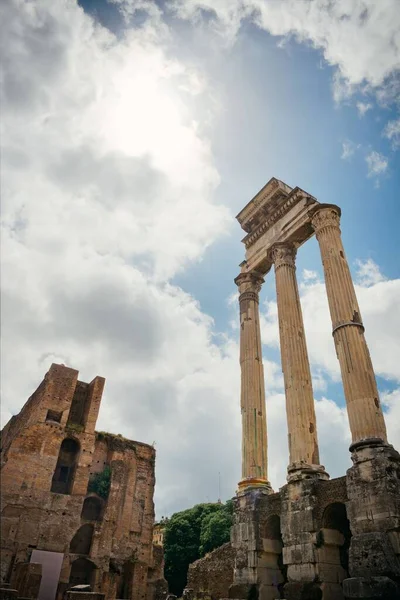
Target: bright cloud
360, 39
108, 187
377, 163
368, 273
392, 132
363, 108
348, 149
308, 274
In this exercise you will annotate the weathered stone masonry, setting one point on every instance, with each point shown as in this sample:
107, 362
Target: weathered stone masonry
50, 451
333, 539
316, 538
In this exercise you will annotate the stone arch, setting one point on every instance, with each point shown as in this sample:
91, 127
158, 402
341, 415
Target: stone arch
67, 461
92, 509
334, 518
271, 528
272, 569
82, 572
82, 540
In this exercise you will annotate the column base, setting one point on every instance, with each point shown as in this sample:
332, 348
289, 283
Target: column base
254, 483
299, 471
368, 443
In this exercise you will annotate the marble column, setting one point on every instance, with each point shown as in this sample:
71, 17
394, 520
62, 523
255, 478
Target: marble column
302, 426
360, 389
254, 426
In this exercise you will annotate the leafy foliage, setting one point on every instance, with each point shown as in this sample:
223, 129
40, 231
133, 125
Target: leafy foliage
100, 483
189, 535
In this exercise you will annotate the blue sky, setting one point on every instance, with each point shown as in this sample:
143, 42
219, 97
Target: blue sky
148, 127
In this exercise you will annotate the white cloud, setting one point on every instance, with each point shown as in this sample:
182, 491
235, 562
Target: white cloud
391, 404
108, 187
360, 39
348, 149
392, 132
368, 273
363, 108
377, 163
308, 274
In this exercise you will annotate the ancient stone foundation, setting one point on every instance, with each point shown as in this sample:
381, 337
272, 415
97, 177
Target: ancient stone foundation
316, 538
58, 528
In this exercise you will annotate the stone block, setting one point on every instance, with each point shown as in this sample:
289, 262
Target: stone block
301, 572
268, 592
272, 546
270, 576
373, 588
331, 573
300, 553
302, 591
332, 537
372, 554
328, 554
332, 591
267, 560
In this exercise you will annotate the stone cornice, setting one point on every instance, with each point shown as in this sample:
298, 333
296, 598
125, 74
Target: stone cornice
293, 198
252, 206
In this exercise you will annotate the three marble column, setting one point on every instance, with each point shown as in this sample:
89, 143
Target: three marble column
363, 406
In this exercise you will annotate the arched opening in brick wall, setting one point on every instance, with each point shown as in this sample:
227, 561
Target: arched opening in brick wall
82, 540
272, 546
125, 584
92, 509
335, 518
82, 572
64, 473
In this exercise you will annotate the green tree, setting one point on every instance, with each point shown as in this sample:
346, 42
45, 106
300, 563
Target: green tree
215, 531
191, 533
100, 483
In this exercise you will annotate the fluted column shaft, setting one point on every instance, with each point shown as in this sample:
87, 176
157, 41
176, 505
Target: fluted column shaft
360, 389
302, 428
254, 426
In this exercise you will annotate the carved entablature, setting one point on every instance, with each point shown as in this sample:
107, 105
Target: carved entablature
278, 213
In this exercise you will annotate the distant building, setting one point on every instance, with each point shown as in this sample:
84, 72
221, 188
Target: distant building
158, 532
77, 501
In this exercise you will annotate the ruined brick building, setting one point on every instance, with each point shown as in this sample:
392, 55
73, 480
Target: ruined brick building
315, 538
50, 453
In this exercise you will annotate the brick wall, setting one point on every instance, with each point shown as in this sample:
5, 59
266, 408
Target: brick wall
33, 516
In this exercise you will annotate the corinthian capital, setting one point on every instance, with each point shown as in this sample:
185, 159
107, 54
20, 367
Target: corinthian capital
283, 254
325, 216
249, 282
